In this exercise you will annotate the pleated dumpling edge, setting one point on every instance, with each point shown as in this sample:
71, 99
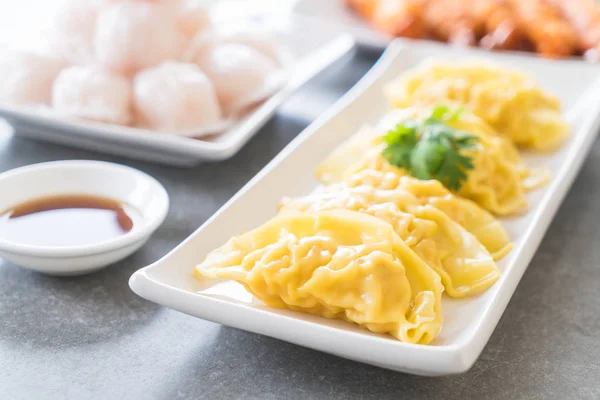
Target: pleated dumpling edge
335, 264
463, 263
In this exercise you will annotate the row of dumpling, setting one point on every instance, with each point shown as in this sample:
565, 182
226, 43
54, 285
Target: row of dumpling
377, 246
373, 246
498, 180
159, 65
376, 255
504, 109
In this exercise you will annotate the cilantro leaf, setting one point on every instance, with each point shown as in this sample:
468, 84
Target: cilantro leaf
432, 149
400, 141
426, 158
439, 112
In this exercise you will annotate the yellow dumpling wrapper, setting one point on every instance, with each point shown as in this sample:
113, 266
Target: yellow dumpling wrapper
510, 101
487, 229
463, 263
336, 264
496, 182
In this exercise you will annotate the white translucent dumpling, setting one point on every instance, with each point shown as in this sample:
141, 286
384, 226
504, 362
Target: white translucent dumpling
93, 93
192, 17
73, 30
135, 35
241, 75
253, 37
26, 79
260, 40
175, 96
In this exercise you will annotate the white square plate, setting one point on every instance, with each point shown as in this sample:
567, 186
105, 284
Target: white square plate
468, 323
313, 46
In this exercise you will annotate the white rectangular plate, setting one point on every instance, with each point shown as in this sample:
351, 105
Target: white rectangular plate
313, 46
468, 323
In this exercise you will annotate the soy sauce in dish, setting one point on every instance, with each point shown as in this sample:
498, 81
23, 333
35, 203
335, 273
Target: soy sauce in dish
67, 220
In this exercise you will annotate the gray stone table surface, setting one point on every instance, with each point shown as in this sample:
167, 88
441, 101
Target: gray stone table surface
91, 338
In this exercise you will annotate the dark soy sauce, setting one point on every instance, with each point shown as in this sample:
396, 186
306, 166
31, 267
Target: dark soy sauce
67, 220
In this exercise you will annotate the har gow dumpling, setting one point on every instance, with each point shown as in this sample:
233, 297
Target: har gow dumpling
335, 264
26, 79
255, 38
259, 40
240, 74
192, 17
92, 93
74, 28
135, 35
175, 96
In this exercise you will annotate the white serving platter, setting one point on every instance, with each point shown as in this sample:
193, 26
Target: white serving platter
468, 323
312, 46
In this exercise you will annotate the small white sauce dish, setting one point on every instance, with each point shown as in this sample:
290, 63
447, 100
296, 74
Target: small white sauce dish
93, 178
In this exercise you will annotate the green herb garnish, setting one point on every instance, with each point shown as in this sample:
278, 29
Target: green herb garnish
431, 149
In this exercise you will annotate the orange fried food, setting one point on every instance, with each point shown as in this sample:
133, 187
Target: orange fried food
365, 8
500, 24
551, 35
395, 17
584, 16
451, 21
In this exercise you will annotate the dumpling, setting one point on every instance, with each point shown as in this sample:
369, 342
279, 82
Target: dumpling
480, 223
192, 17
336, 264
135, 35
92, 93
258, 39
497, 181
464, 265
241, 75
27, 78
175, 96
510, 101
74, 28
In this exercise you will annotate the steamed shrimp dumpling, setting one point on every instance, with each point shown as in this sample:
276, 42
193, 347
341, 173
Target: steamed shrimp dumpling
175, 96
335, 264
135, 35
241, 75
192, 16
74, 28
26, 79
93, 93
258, 39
